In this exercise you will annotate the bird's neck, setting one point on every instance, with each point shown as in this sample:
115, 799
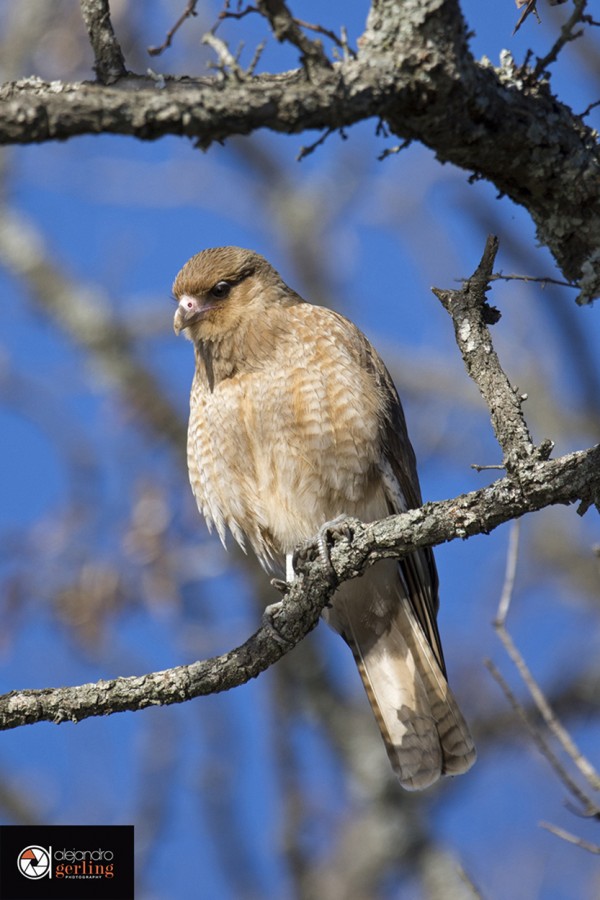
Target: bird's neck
214, 361
247, 348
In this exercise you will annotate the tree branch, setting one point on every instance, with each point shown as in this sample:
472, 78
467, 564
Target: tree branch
286, 28
415, 72
471, 314
564, 480
110, 63
190, 10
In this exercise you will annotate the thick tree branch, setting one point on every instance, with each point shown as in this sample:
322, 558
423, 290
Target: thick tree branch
414, 71
110, 63
540, 484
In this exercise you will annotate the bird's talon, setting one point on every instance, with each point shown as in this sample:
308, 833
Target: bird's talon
336, 528
302, 554
280, 585
269, 625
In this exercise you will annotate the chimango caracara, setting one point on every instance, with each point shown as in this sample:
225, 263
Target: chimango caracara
295, 421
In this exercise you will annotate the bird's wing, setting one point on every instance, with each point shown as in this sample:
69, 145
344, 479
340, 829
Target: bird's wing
401, 486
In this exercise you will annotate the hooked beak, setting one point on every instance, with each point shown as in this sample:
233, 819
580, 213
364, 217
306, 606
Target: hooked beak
189, 311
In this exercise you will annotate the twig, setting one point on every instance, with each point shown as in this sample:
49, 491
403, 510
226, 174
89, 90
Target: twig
555, 727
255, 59
471, 316
342, 42
541, 742
479, 468
109, 61
566, 35
512, 556
391, 151
560, 733
310, 148
226, 58
589, 108
570, 838
530, 7
190, 10
499, 276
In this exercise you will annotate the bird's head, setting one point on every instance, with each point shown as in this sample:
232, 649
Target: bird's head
218, 288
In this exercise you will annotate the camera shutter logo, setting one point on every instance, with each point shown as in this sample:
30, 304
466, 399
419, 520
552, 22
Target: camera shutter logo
34, 862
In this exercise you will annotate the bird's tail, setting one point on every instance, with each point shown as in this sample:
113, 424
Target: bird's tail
423, 729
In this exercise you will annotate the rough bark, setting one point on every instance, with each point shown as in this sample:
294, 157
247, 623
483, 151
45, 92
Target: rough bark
413, 71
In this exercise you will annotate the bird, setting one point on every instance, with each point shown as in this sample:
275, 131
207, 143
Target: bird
294, 422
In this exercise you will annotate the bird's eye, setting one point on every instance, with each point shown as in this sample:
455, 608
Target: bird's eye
220, 290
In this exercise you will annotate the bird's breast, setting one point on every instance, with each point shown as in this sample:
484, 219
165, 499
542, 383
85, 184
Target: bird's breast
280, 450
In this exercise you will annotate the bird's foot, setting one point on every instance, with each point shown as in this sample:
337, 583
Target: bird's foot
281, 585
269, 624
340, 527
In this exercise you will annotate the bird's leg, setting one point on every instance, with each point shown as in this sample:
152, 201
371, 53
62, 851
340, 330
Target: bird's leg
339, 527
289, 568
281, 585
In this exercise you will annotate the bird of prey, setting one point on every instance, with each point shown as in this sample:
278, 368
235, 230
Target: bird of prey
295, 421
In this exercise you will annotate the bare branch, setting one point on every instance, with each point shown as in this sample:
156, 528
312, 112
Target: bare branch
539, 700
173, 685
509, 574
542, 744
530, 7
543, 707
589, 108
342, 42
190, 10
110, 63
227, 61
471, 315
543, 280
570, 838
567, 34
310, 148
226, 13
541, 704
